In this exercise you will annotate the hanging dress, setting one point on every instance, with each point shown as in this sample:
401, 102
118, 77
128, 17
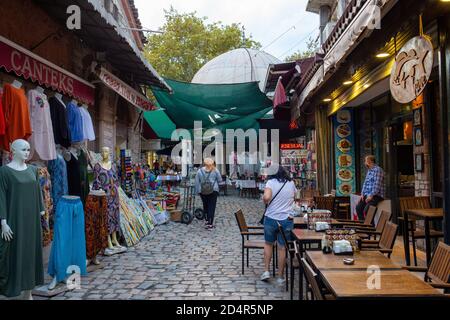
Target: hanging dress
47, 218
107, 181
42, 140
17, 116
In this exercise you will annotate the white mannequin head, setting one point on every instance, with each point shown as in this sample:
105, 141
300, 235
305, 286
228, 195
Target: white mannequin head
20, 150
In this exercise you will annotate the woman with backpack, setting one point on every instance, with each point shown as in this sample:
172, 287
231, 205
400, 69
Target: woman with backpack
278, 196
207, 185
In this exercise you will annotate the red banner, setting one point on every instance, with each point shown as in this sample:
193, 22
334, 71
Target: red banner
124, 90
28, 65
289, 146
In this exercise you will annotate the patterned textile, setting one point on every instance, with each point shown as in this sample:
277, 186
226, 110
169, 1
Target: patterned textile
96, 223
107, 181
374, 182
58, 172
47, 218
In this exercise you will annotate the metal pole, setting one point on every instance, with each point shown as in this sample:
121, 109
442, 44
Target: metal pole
444, 89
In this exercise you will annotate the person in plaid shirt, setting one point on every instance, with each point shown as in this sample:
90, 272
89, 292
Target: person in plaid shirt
373, 187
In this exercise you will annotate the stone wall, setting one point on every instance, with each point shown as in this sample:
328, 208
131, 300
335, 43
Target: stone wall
423, 183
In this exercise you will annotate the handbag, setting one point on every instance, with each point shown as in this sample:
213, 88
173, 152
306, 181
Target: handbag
267, 206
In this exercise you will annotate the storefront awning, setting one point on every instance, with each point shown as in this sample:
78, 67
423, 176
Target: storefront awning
124, 90
160, 124
30, 66
101, 31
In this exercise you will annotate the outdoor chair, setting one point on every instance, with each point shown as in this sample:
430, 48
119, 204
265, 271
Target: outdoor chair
313, 281
342, 207
386, 242
324, 203
367, 222
365, 232
438, 273
293, 264
248, 244
414, 231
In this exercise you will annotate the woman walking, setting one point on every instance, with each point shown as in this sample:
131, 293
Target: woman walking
279, 196
207, 185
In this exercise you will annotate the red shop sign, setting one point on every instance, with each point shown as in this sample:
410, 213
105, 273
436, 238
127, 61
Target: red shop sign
288, 146
28, 65
131, 95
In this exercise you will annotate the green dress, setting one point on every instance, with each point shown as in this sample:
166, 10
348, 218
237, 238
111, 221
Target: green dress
21, 264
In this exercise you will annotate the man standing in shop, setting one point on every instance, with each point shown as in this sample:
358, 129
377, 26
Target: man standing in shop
373, 187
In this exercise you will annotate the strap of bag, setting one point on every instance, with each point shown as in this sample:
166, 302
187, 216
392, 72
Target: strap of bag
273, 198
205, 175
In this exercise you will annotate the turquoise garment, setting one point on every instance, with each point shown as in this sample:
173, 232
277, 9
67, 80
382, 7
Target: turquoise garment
58, 173
69, 243
75, 120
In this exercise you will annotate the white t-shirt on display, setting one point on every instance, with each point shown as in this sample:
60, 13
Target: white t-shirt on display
281, 207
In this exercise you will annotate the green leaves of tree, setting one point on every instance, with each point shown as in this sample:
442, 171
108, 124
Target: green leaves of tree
188, 42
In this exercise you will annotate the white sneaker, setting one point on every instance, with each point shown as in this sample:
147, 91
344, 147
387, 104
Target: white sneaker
281, 281
265, 276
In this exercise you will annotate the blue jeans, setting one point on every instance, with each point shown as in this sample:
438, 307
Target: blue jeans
271, 232
69, 242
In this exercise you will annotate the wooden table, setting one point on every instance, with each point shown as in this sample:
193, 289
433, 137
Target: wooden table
299, 222
428, 215
363, 259
394, 284
303, 237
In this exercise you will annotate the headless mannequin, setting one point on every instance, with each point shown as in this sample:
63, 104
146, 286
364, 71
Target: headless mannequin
40, 89
106, 164
17, 84
58, 97
21, 151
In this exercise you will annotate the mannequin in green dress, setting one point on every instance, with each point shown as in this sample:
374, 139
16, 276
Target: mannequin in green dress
20, 224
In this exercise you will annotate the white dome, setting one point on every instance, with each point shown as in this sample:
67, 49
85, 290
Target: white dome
236, 66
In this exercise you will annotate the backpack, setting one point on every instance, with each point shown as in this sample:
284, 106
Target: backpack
206, 186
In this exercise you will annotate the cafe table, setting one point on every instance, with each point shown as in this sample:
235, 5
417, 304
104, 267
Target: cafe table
300, 222
303, 237
363, 259
428, 215
358, 284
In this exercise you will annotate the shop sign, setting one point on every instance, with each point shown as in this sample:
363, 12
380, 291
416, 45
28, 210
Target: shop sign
28, 65
344, 138
287, 146
124, 90
412, 69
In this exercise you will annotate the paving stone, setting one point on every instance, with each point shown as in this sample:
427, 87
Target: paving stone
179, 261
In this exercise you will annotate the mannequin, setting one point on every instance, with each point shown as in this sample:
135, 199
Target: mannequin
29, 183
17, 84
40, 89
104, 167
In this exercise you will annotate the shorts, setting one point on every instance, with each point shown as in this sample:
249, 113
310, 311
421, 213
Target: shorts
271, 232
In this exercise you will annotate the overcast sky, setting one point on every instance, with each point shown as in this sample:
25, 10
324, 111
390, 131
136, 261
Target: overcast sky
265, 20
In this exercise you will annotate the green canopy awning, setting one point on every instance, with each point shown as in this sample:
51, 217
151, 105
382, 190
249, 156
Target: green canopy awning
221, 106
160, 123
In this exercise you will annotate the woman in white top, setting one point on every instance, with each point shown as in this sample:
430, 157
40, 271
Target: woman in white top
279, 196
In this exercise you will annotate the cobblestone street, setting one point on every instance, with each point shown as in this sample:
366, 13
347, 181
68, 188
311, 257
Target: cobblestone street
178, 261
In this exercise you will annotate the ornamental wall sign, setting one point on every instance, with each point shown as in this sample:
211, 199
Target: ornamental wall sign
412, 69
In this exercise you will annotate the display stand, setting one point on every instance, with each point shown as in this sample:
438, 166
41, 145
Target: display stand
43, 291
126, 171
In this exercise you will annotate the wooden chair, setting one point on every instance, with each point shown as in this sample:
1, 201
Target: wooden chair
313, 281
290, 252
248, 244
368, 232
386, 242
324, 203
342, 207
414, 231
368, 220
438, 273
